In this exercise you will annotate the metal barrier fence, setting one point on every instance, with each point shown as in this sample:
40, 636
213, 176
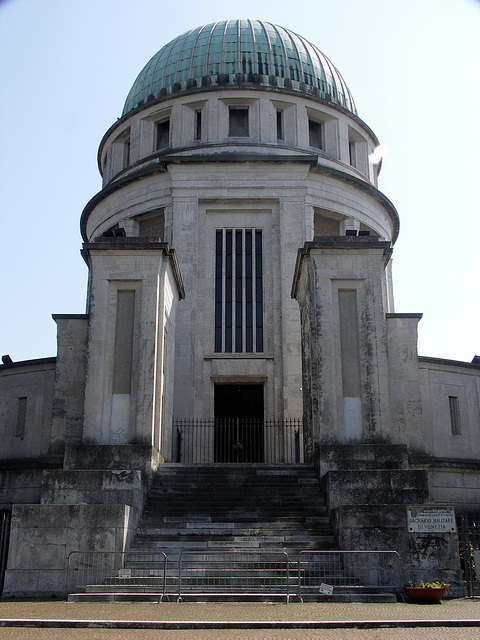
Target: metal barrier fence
119, 572
234, 572
237, 440
5, 519
329, 572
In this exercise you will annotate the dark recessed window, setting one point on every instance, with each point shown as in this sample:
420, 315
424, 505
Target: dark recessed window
238, 291
162, 134
21, 417
280, 132
454, 415
152, 225
198, 125
126, 153
238, 123
353, 155
315, 134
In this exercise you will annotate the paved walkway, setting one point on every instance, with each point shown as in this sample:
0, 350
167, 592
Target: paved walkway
54, 620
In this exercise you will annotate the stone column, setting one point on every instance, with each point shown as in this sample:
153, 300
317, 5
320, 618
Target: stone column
339, 284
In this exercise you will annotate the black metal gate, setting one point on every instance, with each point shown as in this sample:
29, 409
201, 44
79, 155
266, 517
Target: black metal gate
470, 554
5, 518
237, 440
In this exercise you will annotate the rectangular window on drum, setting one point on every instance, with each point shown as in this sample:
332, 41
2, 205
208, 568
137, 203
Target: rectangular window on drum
238, 291
198, 125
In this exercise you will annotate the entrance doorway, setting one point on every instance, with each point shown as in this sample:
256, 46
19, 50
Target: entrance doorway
239, 423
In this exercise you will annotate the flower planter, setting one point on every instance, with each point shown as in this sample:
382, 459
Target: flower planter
425, 594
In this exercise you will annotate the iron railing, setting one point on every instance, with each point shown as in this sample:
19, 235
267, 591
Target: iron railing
333, 572
470, 554
234, 572
117, 572
237, 440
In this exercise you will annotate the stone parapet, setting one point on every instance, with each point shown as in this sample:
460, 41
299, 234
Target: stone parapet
336, 457
94, 487
43, 535
143, 457
373, 486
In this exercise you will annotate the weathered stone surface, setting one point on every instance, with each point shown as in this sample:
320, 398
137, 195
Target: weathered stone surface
94, 487
34, 381
67, 416
19, 486
376, 487
428, 557
361, 456
42, 536
133, 456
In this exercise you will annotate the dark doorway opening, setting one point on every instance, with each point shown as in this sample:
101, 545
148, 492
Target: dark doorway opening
239, 423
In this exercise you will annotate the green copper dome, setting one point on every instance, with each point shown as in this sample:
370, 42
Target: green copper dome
239, 52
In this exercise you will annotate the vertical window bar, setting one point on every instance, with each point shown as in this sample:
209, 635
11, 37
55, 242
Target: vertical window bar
228, 290
258, 292
248, 292
238, 292
218, 289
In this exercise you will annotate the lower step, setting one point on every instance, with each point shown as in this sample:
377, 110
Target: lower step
226, 597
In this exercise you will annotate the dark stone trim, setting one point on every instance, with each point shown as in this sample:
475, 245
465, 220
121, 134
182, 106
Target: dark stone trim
70, 316
157, 167
23, 464
145, 244
430, 462
243, 156
418, 316
160, 163
450, 363
337, 242
28, 363
370, 189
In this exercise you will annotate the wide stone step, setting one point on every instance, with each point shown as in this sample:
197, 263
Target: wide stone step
234, 540
222, 508
231, 529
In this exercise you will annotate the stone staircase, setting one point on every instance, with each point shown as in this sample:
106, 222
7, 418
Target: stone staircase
233, 526
258, 509
234, 506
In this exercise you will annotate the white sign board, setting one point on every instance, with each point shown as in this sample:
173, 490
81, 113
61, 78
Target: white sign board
431, 520
124, 573
326, 589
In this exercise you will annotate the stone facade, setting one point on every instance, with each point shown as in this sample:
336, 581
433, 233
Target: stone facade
218, 193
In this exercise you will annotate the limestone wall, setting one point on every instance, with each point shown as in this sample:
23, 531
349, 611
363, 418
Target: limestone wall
42, 537
26, 401
440, 381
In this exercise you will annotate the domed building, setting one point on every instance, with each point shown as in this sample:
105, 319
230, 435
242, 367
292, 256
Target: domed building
239, 311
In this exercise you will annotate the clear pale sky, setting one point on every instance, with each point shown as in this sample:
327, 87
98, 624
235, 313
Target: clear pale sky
413, 67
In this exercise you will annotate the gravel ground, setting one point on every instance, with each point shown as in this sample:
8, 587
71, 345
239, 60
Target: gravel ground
464, 609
